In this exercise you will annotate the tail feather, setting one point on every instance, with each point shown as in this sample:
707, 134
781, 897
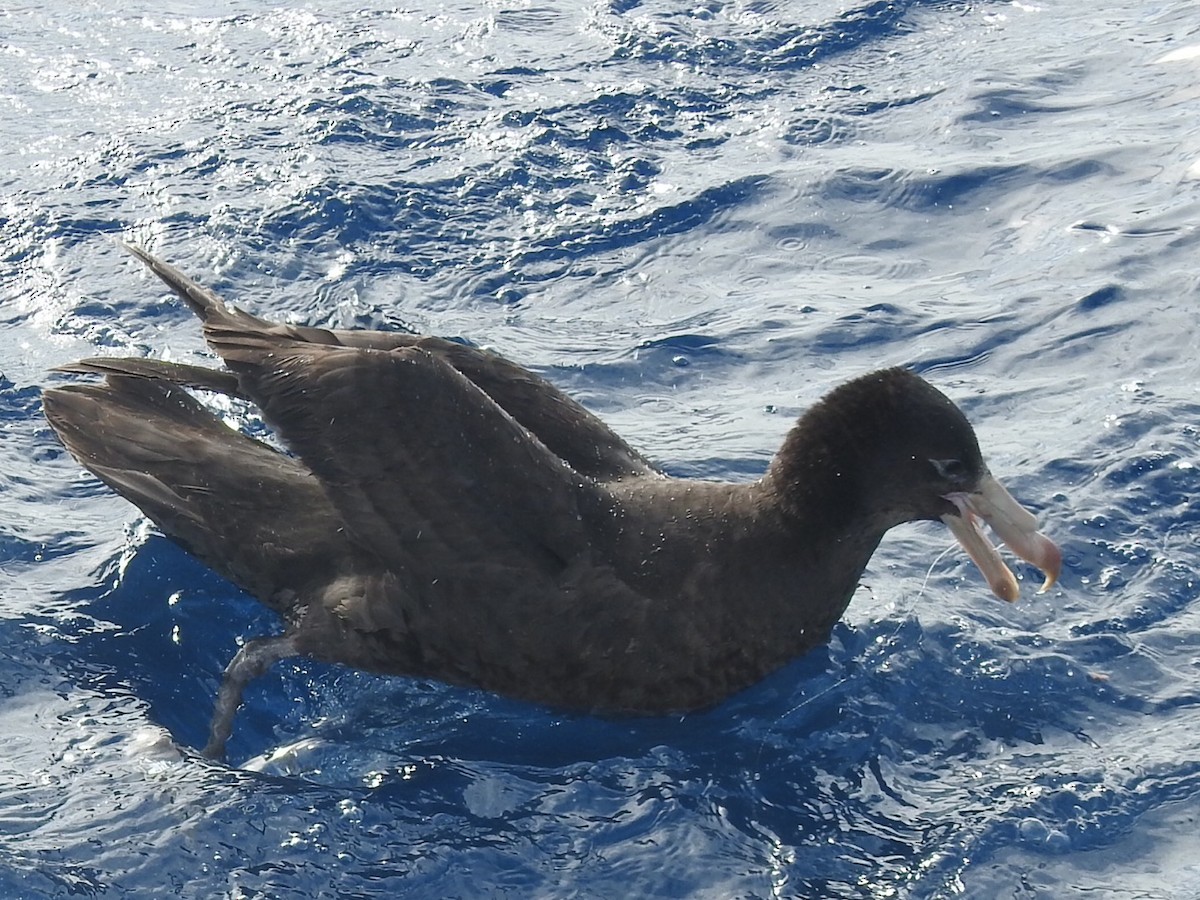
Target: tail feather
251, 513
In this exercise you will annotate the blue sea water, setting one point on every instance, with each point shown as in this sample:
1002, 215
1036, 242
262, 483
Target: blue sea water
696, 218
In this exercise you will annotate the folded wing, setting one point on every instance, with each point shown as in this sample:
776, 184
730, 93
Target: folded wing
560, 423
412, 453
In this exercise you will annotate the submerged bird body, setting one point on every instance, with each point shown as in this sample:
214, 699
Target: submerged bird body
449, 514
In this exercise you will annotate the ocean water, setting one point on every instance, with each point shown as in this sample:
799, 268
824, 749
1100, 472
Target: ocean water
697, 218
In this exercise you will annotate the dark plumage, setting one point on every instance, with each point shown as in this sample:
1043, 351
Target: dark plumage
450, 514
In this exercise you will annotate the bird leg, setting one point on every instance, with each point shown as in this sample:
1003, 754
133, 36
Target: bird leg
251, 661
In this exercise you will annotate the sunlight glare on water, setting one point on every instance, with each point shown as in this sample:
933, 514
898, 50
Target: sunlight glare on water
696, 218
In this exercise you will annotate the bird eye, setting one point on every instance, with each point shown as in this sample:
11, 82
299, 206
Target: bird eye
950, 469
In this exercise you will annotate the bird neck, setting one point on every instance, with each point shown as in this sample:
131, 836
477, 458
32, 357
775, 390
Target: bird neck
817, 475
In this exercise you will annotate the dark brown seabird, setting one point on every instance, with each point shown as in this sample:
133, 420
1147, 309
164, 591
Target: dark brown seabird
449, 514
